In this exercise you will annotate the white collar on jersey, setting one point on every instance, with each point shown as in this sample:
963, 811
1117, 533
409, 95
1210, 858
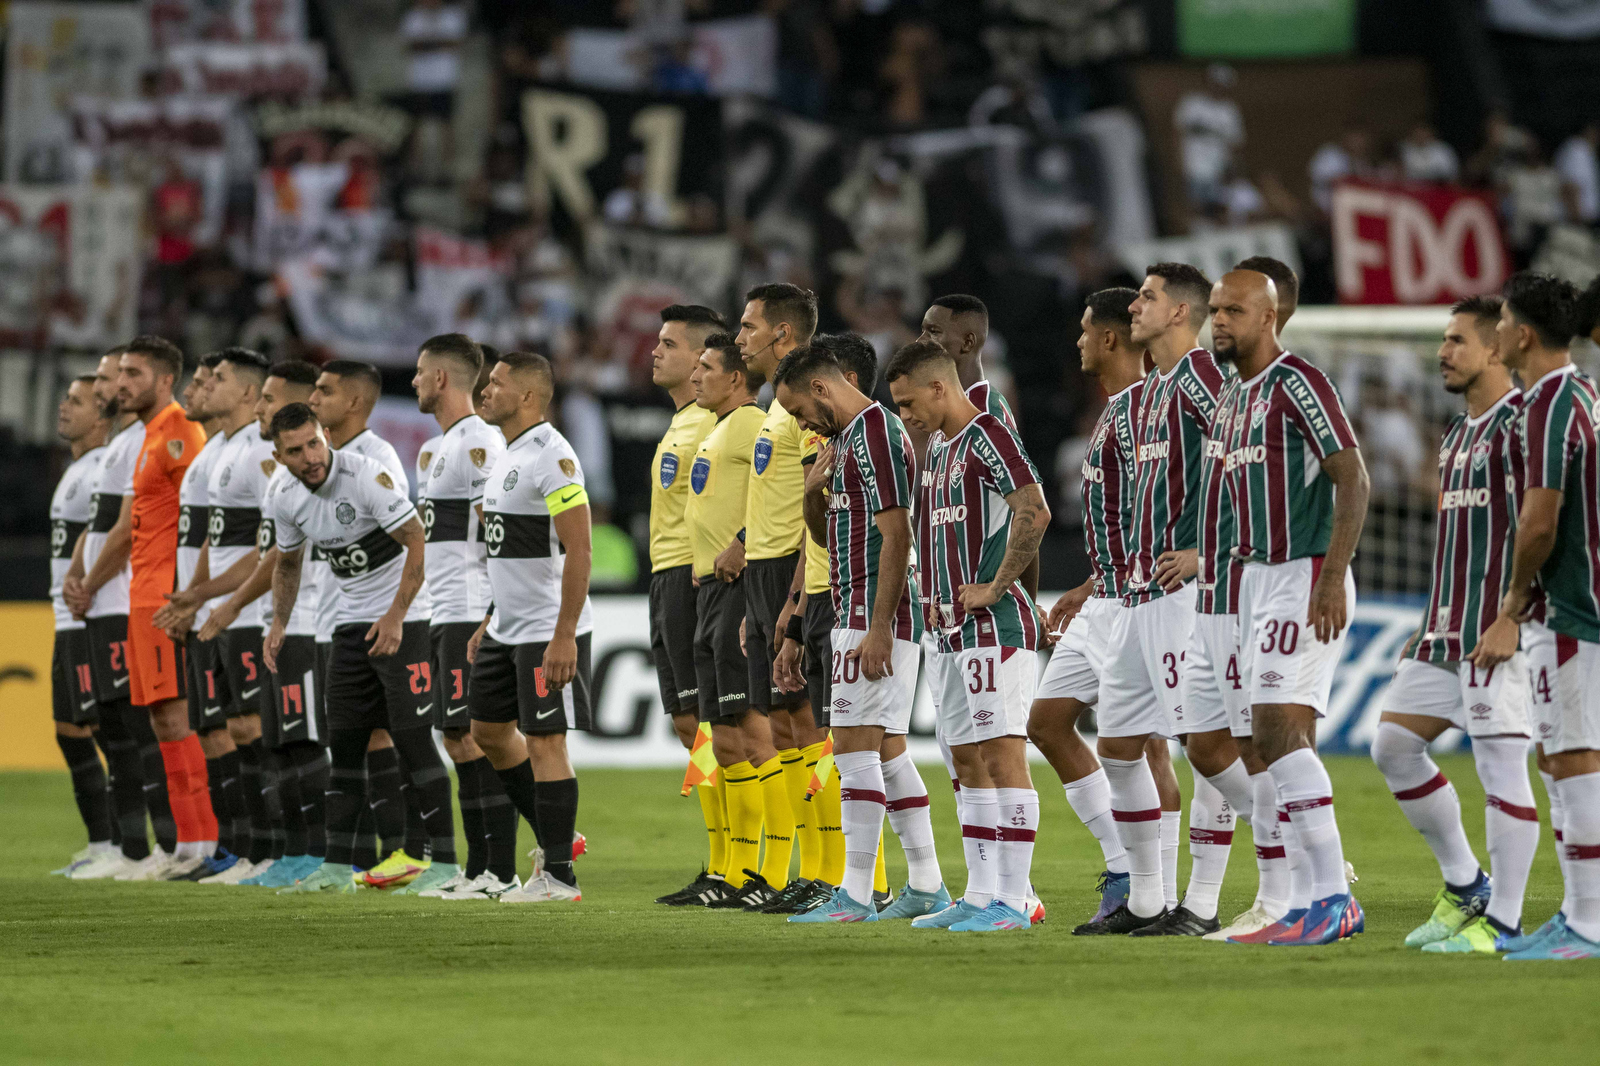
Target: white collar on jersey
1501, 402
1266, 369
1564, 368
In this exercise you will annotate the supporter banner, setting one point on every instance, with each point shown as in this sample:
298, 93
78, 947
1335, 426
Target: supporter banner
1415, 244
1266, 28
1544, 18
460, 280
248, 71
385, 128
56, 52
1064, 33
322, 208
734, 55
176, 21
1214, 251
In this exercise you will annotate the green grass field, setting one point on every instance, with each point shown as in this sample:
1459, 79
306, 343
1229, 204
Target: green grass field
179, 973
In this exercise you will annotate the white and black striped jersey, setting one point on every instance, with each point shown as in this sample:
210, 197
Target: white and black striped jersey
115, 482
323, 589
194, 518
537, 476
350, 516
71, 507
237, 486
303, 619
449, 485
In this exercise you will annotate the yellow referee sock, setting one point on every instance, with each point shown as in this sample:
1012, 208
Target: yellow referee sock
744, 821
722, 812
797, 767
778, 822
828, 805
711, 809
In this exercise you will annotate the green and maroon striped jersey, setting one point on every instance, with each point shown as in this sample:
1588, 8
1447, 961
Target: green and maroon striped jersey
872, 468
1217, 584
1108, 482
985, 397
1472, 551
1174, 418
1288, 419
963, 524
1557, 430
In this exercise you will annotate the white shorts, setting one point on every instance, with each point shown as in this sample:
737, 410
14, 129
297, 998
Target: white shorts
1539, 649
982, 693
1280, 657
1571, 721
1214, 695
1141, 688
1486, 703
1079, 657
887, 701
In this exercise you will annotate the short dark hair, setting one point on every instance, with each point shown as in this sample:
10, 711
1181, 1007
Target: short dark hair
1282, 274
295, 372
805, 364
252, 365
83, 379
457, 347
782, 302
167, 357
517, 362
491, 356
913, 356
1187, 285
855, 355
210, 360
1485, 310
1546, 303
365, 373
694, 315
1108, 309
961, 304
290, 416
732, 359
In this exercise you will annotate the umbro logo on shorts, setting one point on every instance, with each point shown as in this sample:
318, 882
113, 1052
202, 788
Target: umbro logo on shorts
1481, 710
1271, 678
841, 703
982, 717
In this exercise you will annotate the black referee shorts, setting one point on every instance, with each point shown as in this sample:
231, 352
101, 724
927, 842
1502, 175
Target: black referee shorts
672, 624
72, 699
208, 686
393, 692
818, 657
508, 686
718, 656
766, 590
451, 674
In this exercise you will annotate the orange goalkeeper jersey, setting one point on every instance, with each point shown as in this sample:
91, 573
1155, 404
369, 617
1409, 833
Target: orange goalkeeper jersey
171, 443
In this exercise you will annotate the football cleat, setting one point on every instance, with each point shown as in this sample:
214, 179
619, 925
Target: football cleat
181, 869
792, 893
1565, 945
150, 868
1451, 911
580, 844
486, 886
397, 870
1250, 922
996, 917
689, 893
1552, 928
959, 911
819, 893
754, 890
715, 890
460, 880
839, 908
1033, 907
435, 875
102, 866
882, 899
1328, 920
1180, 921
258, 877
1113, 889
233, 875
1479, 937
542, 889
83, 856
1289, 925
212, 865
911, 903
329, 875
1118, 922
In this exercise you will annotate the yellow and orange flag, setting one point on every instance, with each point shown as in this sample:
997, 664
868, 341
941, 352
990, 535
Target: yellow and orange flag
824, 770
702, 763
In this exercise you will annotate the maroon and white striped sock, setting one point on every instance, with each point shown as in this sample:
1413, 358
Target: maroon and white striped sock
912, 821
861, 807
1511, 822
1307, 795
1210, 842
1272, 861
1090, 799
1015, 831
1580, 799
1136, 807
980, 813
1426, 798
1558, 823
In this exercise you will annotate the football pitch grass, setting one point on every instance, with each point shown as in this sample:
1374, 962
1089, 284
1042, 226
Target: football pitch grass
178, 973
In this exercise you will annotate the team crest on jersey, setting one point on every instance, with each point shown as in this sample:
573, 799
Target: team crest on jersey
268, 466
1258, 413
1480, 454
438, 468
568, 467
385, 480
479, 456
510, 481
763, 454
344, 513
72, 490
1100, 436
227, 476
175, 448
669, 469
699, 473
957, 470
422, 463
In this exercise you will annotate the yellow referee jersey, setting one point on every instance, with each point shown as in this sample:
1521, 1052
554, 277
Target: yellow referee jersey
817, 570
719, 482
669, 486
775, 520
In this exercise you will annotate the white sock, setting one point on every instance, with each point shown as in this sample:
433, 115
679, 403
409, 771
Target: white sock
1299, 864
1018, 825
1558, 823
1427, 799
1136, 808
1272, 862
1511, 822
1090, 799
1210, 841
912, 821
980, 812
1234, 784
861, 816
950, 768
1307, 795
1580, 800
1171, 827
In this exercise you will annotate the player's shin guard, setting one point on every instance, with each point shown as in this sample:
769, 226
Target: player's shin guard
311, 765
387, 801
1272, 861
255, 801
290, 802
347, 792
499, 821
862, 804
1211, 825
416, 832
227, 803
1558, 825
1136, 808
127, 781
1015, 831
980, 813
830, 825
744, 820
1580, 801
88, 785
777, 823
430, 784
557, 808
277, 832
1511, 823
1307, 795
797, 765
111, 803
711, 810
906, 801
1090, 799
1299, 862
471, 805
153, 777
1427, 799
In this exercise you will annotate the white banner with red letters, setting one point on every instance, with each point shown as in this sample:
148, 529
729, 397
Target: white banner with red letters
1415, 243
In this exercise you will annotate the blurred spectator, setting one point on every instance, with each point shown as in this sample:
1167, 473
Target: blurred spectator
1424, 157
267, 331
175, 209
878, 314
1504, 146
1015, 100
1391, 440
1579, 168
534, 49
1210, 129
433, 32
1533, 200
1067, 508
808, 58
631, 204
530, 327
672, 69
1348, 157
916, 57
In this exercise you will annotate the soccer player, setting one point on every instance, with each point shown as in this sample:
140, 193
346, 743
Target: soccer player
777, 319
684, 329
1071, 681
960, 325
1434, 686
450, 489
1554, 546
73, 706
530, 657
719, 482
157, 677
859, 494
1290, 454
980, 515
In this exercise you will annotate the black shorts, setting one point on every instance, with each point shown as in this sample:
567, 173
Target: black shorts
294, 694
72, 698
319, 706
766, 590
108, 656
208, 686
249, 688
672, 616
508, 686
818, 657
452, 674
393, 692
718, 656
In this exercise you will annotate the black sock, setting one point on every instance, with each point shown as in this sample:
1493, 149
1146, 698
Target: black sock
557, 809
88, 785
153, 775
499, 821
127, 780
111, 804
471, 804
388, 803
520, 789
311, 763
430, 784
227, 802
347, 792
274, 802
365, 851
259, 848
416, 841
289, 800
219, 806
